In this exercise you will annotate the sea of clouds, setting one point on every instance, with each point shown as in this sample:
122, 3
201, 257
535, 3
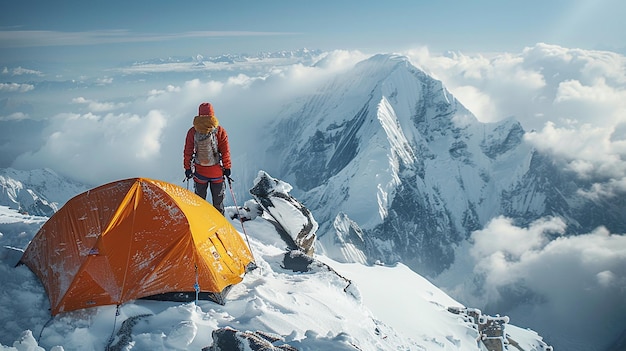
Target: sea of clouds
572, 103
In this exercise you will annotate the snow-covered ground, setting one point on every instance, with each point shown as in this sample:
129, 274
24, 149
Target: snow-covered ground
332, 306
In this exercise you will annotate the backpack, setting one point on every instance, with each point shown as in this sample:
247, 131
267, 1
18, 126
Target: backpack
206, 148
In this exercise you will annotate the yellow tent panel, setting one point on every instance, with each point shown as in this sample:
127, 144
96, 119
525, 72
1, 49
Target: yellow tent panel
136, 238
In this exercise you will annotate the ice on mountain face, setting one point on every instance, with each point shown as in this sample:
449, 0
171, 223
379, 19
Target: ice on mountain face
348, 243
398, 142
505, 137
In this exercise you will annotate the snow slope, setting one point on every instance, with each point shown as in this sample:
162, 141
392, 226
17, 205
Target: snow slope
332, 306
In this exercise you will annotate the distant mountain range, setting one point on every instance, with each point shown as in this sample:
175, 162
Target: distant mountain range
38, 192
233, 58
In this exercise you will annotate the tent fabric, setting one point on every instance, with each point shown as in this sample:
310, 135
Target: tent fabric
131, 239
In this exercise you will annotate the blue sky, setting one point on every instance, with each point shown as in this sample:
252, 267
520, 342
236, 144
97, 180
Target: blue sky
547, 65
115, 31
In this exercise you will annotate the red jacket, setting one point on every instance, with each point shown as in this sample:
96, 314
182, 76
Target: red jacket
215, 171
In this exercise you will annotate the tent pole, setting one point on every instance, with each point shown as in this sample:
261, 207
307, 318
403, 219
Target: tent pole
196, 286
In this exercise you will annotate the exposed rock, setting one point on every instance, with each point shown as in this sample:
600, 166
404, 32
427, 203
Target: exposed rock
123, 338
229, 339
491, 331
297, 261
293, 218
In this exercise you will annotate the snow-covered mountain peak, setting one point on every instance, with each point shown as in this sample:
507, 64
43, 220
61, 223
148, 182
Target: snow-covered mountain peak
386, 149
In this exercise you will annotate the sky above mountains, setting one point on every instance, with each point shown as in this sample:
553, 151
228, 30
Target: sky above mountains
555, 66
118, 31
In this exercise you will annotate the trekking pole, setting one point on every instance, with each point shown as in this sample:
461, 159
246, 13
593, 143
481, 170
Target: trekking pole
230, 186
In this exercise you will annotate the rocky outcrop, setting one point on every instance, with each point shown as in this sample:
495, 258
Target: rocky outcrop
292, 219
491, 331
229, 339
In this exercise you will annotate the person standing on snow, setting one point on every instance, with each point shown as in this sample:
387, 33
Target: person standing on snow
206, 146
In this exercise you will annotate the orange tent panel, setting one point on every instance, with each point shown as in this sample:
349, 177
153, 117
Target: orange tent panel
131, 239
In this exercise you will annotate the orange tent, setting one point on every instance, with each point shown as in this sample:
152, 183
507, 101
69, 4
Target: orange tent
132, 239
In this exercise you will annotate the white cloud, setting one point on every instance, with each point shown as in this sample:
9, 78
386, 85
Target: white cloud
612, 188
105, 80
504, 84
96, 106
242, 80
147, 144
579, 281
339, 60
511, 240
588, 150
18, 71
478, 102
91, 147
14, 117
169, 89
100, 141
15, 87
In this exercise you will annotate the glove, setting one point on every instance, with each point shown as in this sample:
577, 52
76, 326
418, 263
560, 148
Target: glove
188, 173
227, 172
